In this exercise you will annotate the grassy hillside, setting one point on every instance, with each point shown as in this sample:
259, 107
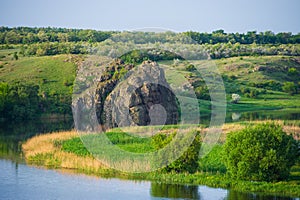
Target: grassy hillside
258, 79
52, 73
260, 69
31, 87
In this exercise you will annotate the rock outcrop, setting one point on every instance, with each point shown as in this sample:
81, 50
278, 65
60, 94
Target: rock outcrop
141, 96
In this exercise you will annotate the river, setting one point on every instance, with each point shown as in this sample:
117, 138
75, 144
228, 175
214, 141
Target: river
20, 181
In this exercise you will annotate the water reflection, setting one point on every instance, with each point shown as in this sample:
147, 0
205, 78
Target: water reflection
256, 115
13, 134
174, 191
236, 116
233, 195
263, 115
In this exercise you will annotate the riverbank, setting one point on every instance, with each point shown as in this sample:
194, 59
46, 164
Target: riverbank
51, 151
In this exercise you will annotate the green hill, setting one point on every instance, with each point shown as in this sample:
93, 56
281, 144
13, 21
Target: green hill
259, 80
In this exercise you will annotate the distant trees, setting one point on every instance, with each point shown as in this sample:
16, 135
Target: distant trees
51, 41
26, 35
250, 37
54, 48
20, 101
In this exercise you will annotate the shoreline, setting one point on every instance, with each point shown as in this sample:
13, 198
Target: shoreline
45, 150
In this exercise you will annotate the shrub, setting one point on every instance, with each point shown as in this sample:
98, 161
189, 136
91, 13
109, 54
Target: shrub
202, 92
187, 162
292, 71
190, 68
260, 153
289, 87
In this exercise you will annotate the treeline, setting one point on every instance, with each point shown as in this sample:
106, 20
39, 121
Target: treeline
23, 101
26, 35
216, 51
53, 48
250, 37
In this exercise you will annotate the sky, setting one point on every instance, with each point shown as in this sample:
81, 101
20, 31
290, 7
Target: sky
184, 15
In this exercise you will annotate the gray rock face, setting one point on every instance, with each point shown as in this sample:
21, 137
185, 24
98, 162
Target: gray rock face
142, 97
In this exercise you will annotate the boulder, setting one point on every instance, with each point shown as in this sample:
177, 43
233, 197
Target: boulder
142, 97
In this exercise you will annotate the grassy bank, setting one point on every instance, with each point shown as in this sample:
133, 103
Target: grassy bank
65, 150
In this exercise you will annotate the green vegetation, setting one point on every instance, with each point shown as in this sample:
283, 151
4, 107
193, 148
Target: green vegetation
213, 162
19, 101
29, 56
211, 169
290, 88
26, 35
260, 153
75, 146
187, 162
38, 67
36, 86
268, 37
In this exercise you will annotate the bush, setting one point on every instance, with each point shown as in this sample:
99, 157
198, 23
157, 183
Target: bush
260, 153
289, 87
190, 68
187, 162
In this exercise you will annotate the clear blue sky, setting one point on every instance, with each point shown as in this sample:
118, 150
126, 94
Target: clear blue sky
184, 15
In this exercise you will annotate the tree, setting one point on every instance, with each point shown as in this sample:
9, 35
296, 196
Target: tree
289, 87
260, 153
187, 162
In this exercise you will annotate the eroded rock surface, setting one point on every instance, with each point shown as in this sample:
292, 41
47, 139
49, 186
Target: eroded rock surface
141, 96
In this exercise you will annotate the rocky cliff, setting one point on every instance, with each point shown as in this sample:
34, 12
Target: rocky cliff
129, 96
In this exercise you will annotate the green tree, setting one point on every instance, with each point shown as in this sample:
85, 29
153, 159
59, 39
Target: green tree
289, 87
187, 162
260, 153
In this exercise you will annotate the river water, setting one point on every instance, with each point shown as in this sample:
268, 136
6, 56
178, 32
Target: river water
20, 181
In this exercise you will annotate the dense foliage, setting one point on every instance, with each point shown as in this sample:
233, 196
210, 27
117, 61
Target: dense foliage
18, 101
260, 153
267, 37
138, 56
23, 101
27, 35
187, 162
